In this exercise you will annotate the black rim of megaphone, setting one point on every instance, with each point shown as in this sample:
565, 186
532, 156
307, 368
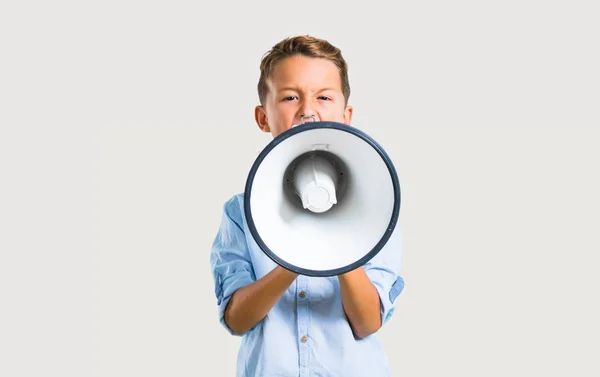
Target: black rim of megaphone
307, 127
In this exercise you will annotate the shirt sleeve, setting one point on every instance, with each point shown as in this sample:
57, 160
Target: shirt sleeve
384, 271
230, 259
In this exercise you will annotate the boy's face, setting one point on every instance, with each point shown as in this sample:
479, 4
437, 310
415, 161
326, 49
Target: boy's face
299, 86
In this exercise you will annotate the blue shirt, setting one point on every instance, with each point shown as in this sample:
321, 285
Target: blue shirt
306, 333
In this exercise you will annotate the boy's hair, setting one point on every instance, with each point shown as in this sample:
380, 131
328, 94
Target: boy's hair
301, 45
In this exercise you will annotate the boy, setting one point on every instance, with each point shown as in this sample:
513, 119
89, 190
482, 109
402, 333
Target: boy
295, 325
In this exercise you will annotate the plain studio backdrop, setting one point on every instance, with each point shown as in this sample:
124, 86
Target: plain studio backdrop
126, 125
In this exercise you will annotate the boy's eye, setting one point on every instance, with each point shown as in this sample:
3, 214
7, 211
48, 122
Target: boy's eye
325, 98
289, 98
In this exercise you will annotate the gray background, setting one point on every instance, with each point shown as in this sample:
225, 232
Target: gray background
124, 126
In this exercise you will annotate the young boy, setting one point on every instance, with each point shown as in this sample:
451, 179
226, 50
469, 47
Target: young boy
296, 325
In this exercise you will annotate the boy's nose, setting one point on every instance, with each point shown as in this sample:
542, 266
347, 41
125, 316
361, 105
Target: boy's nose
306, 109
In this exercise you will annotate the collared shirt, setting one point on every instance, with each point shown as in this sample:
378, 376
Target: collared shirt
306, 333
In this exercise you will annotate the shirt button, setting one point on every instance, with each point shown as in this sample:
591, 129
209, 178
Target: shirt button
302, 294
304, 339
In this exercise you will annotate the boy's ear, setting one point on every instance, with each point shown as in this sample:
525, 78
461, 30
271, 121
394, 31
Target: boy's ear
261, 119
348, 114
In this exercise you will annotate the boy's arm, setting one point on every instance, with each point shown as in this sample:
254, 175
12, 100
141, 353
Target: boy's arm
369, 292
250, 304
361, 302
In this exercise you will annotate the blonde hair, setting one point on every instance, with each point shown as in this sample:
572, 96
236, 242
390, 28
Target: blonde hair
301, 45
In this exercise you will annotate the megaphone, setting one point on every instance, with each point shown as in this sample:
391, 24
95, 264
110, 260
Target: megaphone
322, 198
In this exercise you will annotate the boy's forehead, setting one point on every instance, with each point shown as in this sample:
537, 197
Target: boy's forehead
304, 71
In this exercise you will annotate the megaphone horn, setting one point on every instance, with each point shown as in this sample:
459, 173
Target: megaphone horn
322, 198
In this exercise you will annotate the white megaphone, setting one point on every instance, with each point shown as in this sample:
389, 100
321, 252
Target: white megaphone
322, 199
